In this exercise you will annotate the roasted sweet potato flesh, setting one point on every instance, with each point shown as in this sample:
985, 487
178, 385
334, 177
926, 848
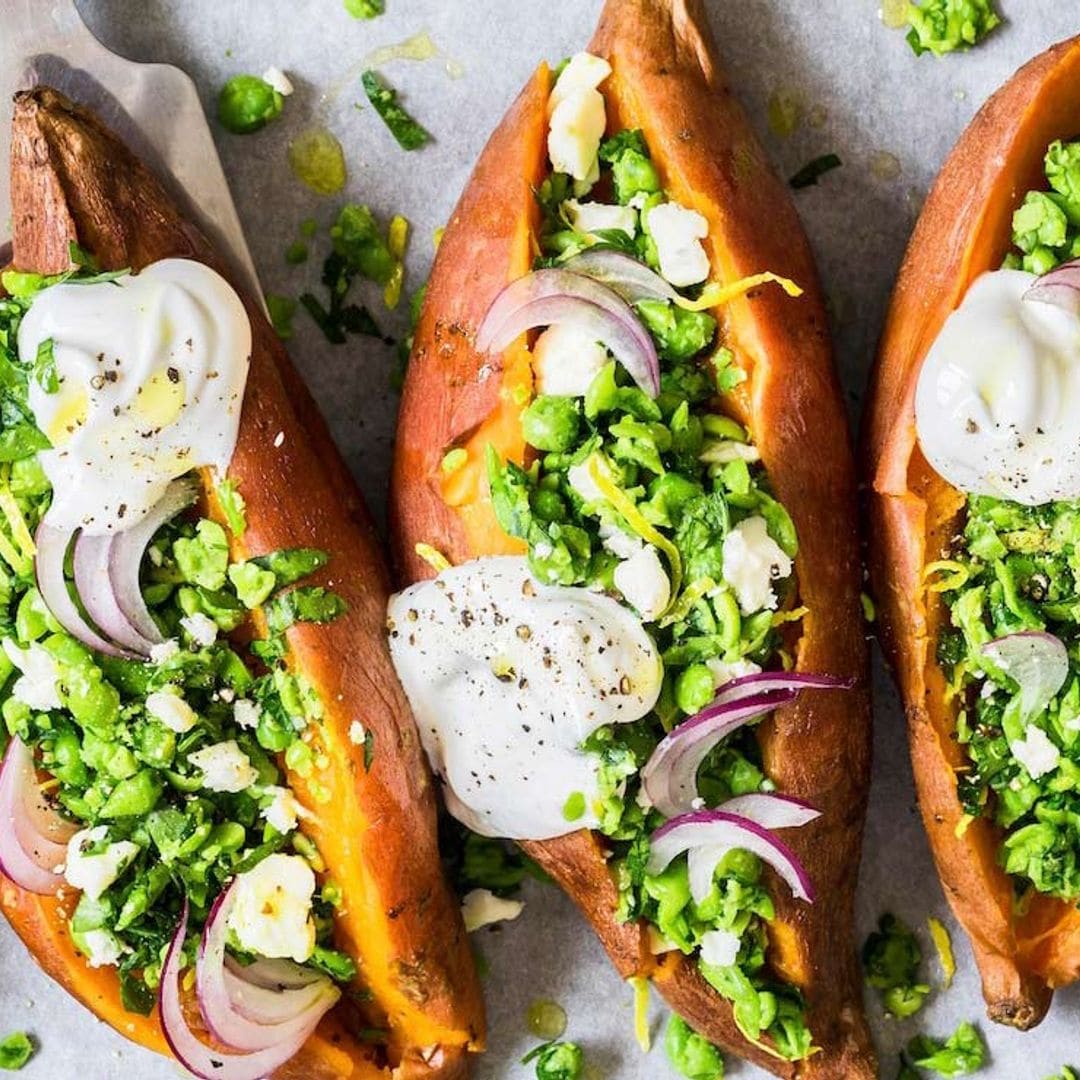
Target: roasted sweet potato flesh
666, 80
964, 230
73, 180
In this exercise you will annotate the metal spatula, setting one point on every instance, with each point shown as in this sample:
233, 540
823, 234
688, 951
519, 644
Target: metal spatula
154, 107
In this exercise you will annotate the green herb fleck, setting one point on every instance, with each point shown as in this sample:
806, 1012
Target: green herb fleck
309, 603
813, 170
891, 959
408, 133
45, 367
232, 506
556, 1061
963, 1052
281, 310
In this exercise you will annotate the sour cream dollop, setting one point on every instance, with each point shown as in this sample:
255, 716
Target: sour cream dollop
151, 370
507, 678
998, 396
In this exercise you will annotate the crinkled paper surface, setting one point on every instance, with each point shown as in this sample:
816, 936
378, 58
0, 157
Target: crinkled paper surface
863, 95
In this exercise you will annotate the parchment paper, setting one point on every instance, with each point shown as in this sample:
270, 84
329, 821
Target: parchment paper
890, 117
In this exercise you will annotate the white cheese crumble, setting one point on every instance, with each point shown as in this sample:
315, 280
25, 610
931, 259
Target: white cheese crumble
37, 686
93, 874
482, 907
677, 233
593, 217
621, 544
357, 733
200, 628
283, 810
720, 948
725, 450
278, 80
271, 914
225, 767
578, 117
102, 948
753, 560
644, 583
164, 650
170, 709
246, 713
723, 672
580, 479
565, 361
1036, 752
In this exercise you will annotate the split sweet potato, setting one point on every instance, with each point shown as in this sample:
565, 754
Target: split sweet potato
964, 230
73, 180
666, 80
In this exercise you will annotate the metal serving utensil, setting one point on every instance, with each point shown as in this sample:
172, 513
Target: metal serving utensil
154, 107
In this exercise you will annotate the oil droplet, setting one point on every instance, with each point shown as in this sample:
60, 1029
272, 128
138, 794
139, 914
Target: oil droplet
420, 47
546, 1019
885, 166
959, 94
784, 112
818, 116
318, 161
894, 13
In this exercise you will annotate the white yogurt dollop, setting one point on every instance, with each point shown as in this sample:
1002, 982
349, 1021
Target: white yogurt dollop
998, 397
150, 376
507, 678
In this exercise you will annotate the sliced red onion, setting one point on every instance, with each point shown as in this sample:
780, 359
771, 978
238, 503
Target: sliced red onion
198, 1058
29, 850
771, 810
1060, 287
550, 297
128, 548
248, 1017
623, 274
52, 545
271, 973
770, 682
707, 835
670, 775
95, 589
1036, 661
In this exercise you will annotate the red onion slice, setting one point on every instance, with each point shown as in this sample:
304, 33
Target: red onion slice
771, 810
198, 1058
28, 855
1060, 287
95, 589
770, 682
550, 297
128, 548
259, 1019
623, 274
52, 545
707, 835
1036, 661
271, 973
670, 775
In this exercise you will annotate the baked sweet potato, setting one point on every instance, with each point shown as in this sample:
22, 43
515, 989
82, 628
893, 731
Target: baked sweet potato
964, 230
666, 80
73, 180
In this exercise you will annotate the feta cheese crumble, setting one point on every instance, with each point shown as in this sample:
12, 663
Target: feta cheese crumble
753, 560
225, 767
271, 913
677, 233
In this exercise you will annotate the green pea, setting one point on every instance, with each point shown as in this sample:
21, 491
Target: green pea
31, 617
551, 423
66, 763
121, 763
227, 837
157, 745
252, 583
694, 688
668, 496
94, 703
216, 604
548, 505
186, 784
247, 103
723, 427
16, 717
233, 671
134, 797
726, 609
145, 891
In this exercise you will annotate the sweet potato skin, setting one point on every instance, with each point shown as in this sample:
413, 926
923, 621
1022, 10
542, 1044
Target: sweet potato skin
73, 180
963, 231
666, 80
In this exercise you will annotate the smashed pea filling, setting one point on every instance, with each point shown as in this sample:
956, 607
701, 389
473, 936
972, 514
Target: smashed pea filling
687, 478
172, 769
1017, 568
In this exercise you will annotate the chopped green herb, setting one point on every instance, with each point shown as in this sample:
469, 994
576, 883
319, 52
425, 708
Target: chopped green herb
232, 506
813, 170
1065, 1074
408, 133
309, 603
556, 1061
247, 103
961, 1053
942, 26
690, 1054
365, 9
16, 1050
296, 253
45, 367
